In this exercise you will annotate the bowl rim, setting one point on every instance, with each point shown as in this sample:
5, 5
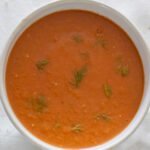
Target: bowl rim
143, 108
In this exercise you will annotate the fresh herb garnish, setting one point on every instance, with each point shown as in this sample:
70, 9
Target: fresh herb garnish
78, 76
77, 38
123, 70
77, 128
42, 64
101, 42
57, 125
107, 90
122, 67
38, 104
100, 39
102, 116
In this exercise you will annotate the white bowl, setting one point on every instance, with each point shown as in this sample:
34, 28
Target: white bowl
99, 8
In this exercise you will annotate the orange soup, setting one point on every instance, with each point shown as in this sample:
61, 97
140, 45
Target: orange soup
74, 79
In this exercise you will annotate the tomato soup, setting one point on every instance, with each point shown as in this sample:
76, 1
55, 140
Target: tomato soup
74, 79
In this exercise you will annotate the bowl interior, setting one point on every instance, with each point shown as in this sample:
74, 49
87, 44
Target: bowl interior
96, 7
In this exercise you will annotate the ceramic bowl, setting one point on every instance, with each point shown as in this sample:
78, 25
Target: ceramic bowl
101, 9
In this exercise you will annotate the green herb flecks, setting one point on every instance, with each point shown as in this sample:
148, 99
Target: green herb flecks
78, 38
77, 128
102, 116
79, 76
57, 125
38, 104
122, 67
42, 64
123, 70
107, 90
100, 41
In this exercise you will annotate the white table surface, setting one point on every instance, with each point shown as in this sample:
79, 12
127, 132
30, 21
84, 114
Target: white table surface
13, 11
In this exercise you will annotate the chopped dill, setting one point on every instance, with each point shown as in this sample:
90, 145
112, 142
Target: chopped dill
102, 116
79, 76
78, 38
101, 42
107, 90
57, 125
123, 70
77, 128
42, 64
38, 104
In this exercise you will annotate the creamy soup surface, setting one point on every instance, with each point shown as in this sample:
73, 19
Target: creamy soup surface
74, 79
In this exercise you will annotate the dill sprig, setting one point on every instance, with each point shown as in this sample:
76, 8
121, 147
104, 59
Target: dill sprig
101, 42
77, 128
107, 90
38, 104
42, 64
77, 38
102, 116
123, 70
79, 76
